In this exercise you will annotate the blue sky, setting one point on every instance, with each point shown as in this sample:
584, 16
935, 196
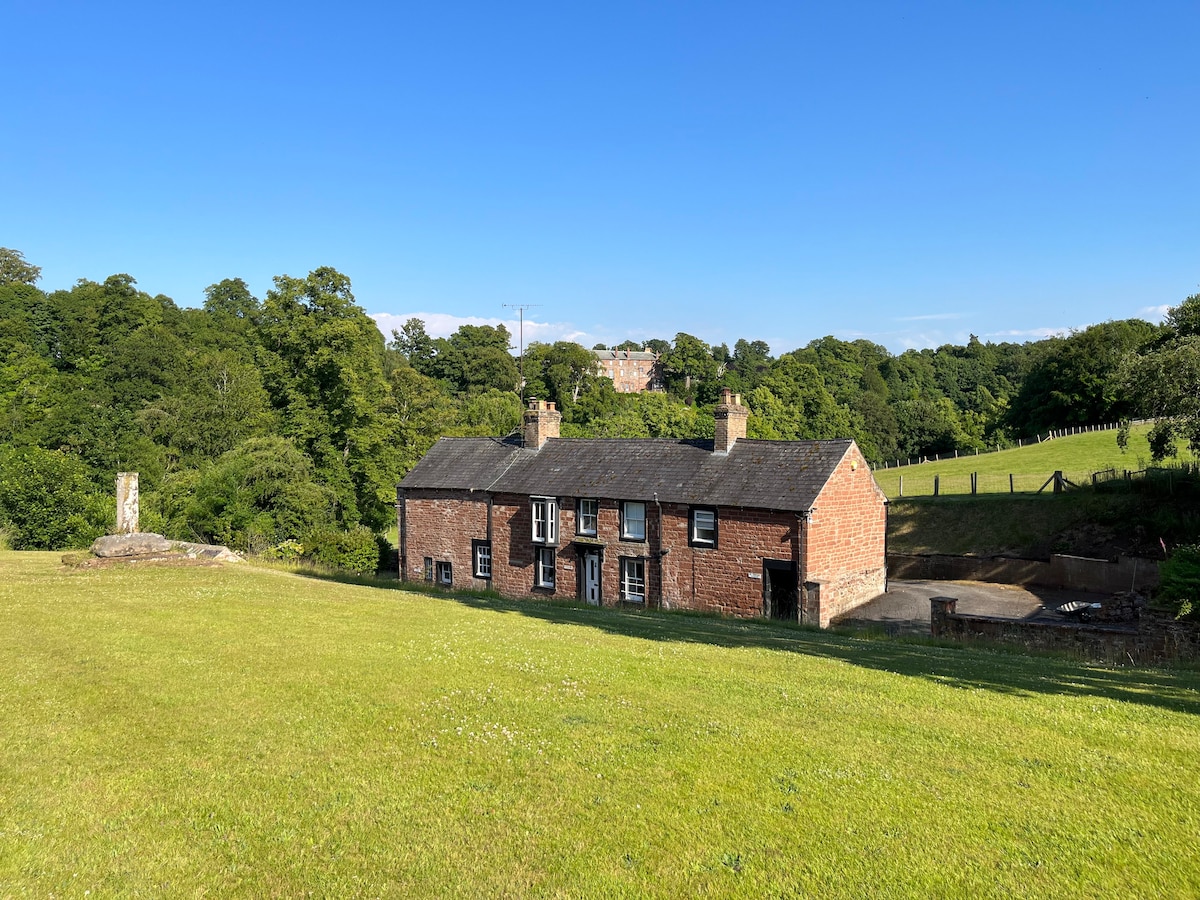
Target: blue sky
910, 174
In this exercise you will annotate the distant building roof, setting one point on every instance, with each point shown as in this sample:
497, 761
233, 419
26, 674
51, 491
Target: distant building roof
625, 354
777, 475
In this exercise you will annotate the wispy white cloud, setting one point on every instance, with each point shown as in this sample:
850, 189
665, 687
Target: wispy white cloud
444, 325
1155, 312
1031, 333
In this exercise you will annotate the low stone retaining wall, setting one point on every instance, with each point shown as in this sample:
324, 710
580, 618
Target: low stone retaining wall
1152, 640
1077, 573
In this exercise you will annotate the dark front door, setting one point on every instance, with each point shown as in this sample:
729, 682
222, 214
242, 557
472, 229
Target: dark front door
781, 599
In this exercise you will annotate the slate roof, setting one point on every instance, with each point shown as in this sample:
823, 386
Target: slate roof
776, 475
640, 355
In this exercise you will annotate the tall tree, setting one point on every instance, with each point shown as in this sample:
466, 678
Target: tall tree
324, 372
1163, 382
15, 270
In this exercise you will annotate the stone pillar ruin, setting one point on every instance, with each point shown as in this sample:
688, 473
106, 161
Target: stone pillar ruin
127, 502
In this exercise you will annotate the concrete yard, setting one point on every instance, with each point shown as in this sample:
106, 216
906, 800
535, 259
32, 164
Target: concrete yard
904, 609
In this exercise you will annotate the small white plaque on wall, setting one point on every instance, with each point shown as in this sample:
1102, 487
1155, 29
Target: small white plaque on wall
757, 576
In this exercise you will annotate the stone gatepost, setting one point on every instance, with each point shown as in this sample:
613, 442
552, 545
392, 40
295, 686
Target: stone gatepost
127, 502
941, 610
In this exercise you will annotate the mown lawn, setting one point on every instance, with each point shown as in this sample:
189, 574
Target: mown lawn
1077, 456
240, 732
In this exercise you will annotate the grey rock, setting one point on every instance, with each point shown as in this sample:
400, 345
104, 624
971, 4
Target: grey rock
136, 544
206, 551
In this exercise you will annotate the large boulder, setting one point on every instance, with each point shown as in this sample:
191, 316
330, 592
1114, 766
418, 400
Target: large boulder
136, 544
215, 552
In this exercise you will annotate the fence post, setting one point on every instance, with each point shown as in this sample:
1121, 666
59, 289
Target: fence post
974, 482
936, 483
1058, 481
901, 485
1010, 484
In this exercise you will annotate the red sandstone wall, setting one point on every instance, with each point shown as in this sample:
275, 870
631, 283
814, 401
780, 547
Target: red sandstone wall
726, 579
441, 525
846, 538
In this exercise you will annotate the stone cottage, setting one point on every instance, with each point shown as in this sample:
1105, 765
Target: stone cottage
791, 530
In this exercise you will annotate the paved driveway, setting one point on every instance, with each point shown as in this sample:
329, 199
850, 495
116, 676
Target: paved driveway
904, 609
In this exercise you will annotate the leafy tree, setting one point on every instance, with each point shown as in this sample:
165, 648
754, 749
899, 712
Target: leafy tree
1164, 383
792, 403
1078, 381
257, 495
690, 369
415, 344
218, 403
46, 500
1184, 320
476, 358
322, 360
420, 411
15, 270
750, 362
231, 299
928, 427
559, 372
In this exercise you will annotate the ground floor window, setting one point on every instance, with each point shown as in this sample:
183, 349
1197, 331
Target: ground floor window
444, 573
633, 580
545, 567
427, 569
482, 552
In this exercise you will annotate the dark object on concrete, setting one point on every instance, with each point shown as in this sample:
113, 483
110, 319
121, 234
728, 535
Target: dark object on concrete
136, 544
1077, 609
1154, 639
904, 609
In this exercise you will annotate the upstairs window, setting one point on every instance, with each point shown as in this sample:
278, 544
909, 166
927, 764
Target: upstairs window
588, 517
633, 521
545, 520
703, 527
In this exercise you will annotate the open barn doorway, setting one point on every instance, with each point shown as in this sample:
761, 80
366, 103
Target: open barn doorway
781, 599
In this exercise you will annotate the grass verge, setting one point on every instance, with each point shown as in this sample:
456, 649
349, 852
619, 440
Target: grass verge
246, 732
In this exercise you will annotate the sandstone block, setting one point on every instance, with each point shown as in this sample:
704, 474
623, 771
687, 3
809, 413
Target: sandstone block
130, 544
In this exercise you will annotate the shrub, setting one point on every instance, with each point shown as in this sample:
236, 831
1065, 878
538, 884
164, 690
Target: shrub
46, 501
1179, 585
254, 497
356, 550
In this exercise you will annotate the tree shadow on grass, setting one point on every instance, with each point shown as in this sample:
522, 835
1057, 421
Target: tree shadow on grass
1003, 670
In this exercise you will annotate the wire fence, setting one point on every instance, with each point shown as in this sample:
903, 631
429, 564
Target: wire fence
931, 485
1021, 442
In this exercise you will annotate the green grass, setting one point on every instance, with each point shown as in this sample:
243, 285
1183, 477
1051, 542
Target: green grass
245, 732
1077, 456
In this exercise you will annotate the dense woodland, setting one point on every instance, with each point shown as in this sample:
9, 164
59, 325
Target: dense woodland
281, 424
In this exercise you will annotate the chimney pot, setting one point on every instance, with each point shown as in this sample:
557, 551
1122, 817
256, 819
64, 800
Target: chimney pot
541, 422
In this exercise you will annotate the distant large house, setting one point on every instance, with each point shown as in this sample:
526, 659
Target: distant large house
790, 530
632, 371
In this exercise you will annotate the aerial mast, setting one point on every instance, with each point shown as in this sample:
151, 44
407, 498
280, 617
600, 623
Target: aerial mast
520, 308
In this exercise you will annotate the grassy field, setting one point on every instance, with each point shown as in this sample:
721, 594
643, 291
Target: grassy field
242, 732
1077, 456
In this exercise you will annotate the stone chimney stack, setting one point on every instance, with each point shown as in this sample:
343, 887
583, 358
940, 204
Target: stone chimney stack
729, 421
541, 422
